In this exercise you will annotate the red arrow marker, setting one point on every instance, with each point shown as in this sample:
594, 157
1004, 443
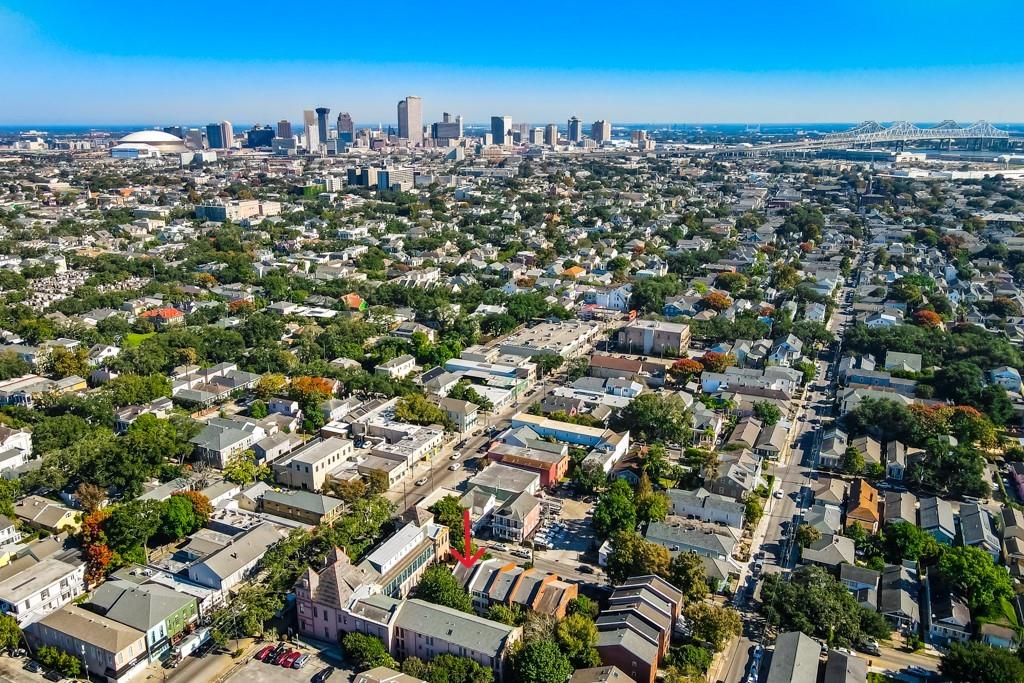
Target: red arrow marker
468, 560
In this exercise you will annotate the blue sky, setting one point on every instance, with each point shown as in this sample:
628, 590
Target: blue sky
684, 61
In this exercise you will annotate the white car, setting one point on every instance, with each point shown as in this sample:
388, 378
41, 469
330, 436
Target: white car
421, 482
779, 493
456, 456
454, 468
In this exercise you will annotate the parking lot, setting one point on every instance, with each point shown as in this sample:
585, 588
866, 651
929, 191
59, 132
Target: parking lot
12, 671
255, 671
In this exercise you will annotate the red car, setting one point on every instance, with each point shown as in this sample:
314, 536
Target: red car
290, 659
283, 656
262, 654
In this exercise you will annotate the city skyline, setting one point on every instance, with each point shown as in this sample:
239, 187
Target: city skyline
801, 63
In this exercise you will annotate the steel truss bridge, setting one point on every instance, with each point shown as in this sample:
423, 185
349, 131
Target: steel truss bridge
870, 134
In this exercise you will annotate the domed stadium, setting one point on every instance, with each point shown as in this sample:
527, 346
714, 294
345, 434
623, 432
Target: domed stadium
165, 143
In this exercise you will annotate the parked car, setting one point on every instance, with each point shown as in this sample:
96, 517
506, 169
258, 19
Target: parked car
54, 675
456, 467
500, 546
456, 456
300, 662
585, 569
33, 666
283, 655
278, 649
779, 493
290, 660
262, 654
323, 674
421, 482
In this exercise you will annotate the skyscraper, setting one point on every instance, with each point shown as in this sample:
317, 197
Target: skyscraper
321, 122
575, 130
551, 134
227, 134
448, 128
410, 120
501, 130
214, 138
176, 131
284, 129
601, 131
346, 128
259, 136
537, 136
311, 129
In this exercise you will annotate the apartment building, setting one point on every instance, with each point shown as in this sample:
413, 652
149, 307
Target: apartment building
654, 337
308, 467
30, 589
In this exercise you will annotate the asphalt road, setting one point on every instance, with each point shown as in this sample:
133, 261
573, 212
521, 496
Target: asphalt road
437, 472
795, 475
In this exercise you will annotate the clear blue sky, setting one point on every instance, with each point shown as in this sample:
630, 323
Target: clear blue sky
683, 61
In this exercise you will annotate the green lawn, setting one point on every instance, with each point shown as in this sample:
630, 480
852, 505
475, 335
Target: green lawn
133, 339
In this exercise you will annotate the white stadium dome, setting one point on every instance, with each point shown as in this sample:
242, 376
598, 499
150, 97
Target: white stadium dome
164, 142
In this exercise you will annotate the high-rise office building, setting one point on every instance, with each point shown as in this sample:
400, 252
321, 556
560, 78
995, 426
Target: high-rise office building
321, 122
194, 138
259, 136
601, 131
284, 129
176, 131
227, 134
214, 136
448, 128
575, 130
521, 132
410, 120
537, 136
346, 128
501, 130
551, 134
311, 130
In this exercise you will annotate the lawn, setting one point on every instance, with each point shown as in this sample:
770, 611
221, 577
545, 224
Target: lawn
133, 339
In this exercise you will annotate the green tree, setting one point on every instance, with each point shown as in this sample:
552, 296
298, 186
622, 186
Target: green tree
615, 511
979, 663
768, 413
853, 460
577, 636
61, 362
651, 505
440, 587
906, 541
366, 651
713, 624
583, 605
753, 509
631, 555
806, 535
416, 409
814, 602
178, 519
686, 572
10, 633
656, 417
973, 571
691, 660
130, 526
243, 469
512, 615
540, 661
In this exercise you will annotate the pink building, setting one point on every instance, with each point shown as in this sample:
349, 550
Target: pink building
319, 598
